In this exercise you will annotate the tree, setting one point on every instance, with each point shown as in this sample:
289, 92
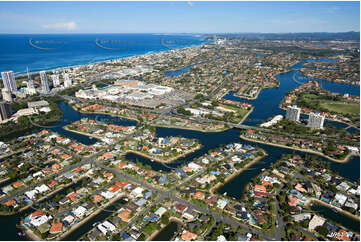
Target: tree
164, 219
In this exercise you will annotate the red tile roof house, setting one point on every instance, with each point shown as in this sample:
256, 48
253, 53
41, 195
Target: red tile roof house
108, 176
52, 183
18, 184
97, 198
10, 203
260, 188
181, 208
199, 195
72, 196
211, 200
56, 227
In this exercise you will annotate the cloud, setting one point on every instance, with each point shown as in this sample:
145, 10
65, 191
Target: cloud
190, 4
71, 25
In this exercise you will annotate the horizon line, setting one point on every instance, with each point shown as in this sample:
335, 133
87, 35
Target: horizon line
351, 31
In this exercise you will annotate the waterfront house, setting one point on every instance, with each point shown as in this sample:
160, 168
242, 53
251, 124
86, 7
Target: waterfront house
188, 236
124, 215
315, 222
160, 211
56, 227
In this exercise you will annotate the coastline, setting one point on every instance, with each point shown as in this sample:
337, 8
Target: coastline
345, 160
230, 177
129, 56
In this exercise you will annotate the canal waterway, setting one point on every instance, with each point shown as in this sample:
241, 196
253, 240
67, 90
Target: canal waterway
339, 218
167, 233
88, 225
212, 140
8, 224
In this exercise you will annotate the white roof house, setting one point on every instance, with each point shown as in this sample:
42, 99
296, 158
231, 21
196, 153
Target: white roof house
79, 212
107, 194
194, 166
42, 188
315, 222
31, 194
40, 220
137, 192
160, 211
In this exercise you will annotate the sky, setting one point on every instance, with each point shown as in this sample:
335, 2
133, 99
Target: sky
178, 17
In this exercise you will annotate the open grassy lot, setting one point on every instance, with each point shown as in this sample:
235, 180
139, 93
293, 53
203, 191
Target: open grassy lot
341, 107
327, 103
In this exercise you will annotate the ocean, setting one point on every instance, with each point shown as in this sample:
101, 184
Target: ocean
50, 51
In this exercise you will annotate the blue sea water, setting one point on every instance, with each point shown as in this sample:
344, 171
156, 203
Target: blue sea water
50, 51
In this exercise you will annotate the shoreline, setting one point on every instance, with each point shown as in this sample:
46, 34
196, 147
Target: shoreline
163, 161
232, 176
60, 188
188, 128
346, 213
199, 146
103, 113
249, 98
148, 53
246, 116
345, 160
333, 120
156, 232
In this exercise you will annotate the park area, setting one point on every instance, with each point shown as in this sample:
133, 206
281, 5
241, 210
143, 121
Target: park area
333, 104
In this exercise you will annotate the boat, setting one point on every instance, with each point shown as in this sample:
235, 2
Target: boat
224, 194
335, 210
96, 223
21, 234
152, 160
263, 169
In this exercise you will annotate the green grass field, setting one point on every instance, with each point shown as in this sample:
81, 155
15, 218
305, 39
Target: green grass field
341, 107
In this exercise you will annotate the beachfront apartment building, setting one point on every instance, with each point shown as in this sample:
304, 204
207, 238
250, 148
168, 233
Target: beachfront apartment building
9, 81
44, 82
67, 80
56, 81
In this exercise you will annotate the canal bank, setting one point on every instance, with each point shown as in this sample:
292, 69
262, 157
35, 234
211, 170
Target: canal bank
346, 159
340, 218
167, 233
